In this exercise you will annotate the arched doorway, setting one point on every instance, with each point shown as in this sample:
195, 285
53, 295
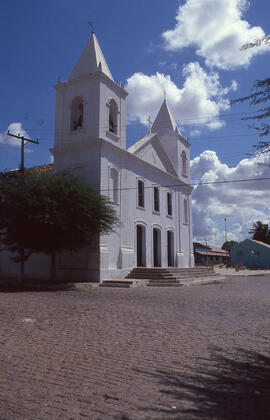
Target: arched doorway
141, 246
170, 248
156, 247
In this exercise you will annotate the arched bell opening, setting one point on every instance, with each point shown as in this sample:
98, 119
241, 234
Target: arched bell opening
76, 119
113, 113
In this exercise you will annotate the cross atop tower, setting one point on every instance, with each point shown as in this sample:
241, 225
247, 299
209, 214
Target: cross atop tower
165, 94
91, 24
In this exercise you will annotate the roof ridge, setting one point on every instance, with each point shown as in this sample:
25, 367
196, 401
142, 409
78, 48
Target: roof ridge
90, 61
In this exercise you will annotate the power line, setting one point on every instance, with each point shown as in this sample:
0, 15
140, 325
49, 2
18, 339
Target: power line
193, 184
194, 139
182, 121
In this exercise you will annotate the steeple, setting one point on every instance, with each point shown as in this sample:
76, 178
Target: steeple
90, 61
164, 122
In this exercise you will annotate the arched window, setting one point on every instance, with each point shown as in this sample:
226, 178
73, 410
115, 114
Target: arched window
76, 120
184, 163
113, 112
114, 185
156, 199
140, 198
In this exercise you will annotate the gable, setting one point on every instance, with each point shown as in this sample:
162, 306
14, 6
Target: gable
150, 150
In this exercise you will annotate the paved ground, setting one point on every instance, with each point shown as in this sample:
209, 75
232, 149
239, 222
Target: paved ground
231, 272
198, 352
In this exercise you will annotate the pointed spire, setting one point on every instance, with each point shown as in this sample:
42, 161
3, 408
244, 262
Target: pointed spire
164, 122
90, 61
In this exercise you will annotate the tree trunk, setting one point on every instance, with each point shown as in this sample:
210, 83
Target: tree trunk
53, 267
21, 270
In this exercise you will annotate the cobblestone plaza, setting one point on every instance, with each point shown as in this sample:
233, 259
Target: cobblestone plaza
146, 353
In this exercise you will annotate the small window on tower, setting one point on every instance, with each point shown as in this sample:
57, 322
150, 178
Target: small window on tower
184, 163
113, 112
186, 215
76, 121
114, 185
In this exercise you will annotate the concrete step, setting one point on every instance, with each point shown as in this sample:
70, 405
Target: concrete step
116, 283
171, 269
168, 273
168, 278
163, 281
163, 284
120, 284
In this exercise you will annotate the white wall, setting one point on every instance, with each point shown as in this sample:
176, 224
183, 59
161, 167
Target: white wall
121, 245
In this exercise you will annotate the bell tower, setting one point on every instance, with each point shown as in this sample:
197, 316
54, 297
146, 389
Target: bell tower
89, 106
174, 144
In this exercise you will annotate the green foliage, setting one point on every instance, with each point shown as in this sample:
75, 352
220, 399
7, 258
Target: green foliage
258, 43
260, 232
228, 245
260, 95
49, 213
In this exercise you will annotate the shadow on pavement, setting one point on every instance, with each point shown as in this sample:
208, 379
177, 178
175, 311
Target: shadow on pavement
230, 386
36, 287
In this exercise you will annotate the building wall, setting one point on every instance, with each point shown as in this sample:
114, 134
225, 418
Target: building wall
250, 254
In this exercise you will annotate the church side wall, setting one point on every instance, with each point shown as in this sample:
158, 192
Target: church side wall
119, 248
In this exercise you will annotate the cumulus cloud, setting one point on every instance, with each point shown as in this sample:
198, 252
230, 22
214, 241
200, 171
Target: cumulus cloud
217, 30
242, 203
200, 100
14, 128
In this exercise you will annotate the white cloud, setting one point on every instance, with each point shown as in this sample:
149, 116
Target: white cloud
195, 133
217, 30
14, 128
242, 203
199, 101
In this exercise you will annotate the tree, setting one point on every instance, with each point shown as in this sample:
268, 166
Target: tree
228, 245
260, 96
260, 232
49, 213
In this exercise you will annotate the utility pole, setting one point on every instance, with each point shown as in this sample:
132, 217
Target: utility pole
226, 239
206, 252
23, 141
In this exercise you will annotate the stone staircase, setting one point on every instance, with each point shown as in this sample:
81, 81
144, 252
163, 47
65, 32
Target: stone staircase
164, 277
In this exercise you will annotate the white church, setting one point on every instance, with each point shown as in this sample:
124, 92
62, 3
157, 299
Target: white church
148, 184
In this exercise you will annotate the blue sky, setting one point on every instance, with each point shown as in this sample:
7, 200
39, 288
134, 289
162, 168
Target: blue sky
189, 47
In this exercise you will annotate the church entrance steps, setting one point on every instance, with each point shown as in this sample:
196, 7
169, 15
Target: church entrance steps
165, 277
170, 273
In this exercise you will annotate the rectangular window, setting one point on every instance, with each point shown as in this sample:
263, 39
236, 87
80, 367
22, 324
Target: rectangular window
114, 185
140, 193
156, 199
186, 218
169, 204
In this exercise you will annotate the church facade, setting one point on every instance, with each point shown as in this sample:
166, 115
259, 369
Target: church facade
148, 184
